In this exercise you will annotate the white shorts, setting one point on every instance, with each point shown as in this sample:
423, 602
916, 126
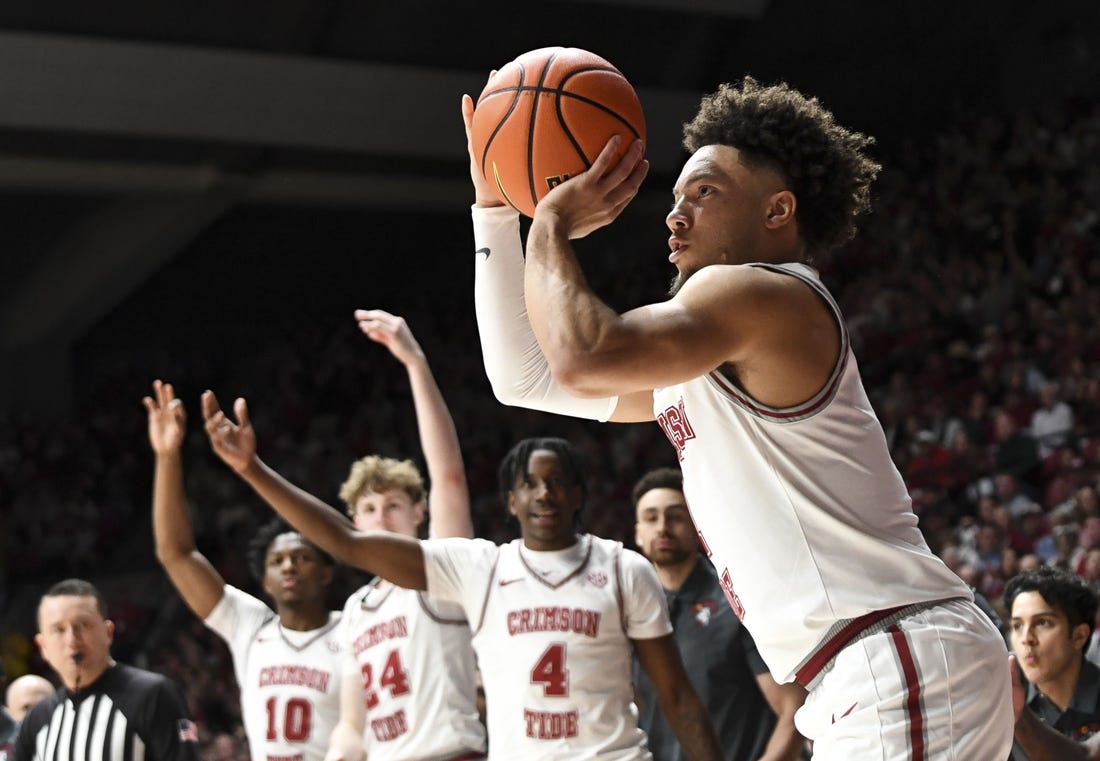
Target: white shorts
934, 685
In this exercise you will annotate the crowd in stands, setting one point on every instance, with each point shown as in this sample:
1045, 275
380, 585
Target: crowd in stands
973, 303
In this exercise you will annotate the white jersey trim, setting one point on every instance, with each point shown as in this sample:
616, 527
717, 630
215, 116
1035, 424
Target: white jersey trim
825, 394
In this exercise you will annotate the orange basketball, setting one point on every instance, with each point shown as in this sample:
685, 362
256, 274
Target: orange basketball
545, 117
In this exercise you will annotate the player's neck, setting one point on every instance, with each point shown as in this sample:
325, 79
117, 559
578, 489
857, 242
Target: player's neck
303, 619
673, 575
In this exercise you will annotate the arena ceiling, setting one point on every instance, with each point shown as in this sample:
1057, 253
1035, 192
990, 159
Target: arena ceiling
128, 128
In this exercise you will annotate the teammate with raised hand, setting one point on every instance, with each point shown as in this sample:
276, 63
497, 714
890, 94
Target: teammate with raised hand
409, 676
555, 614
287, 659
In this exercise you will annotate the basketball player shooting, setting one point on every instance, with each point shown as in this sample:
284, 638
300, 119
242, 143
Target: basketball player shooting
748, 370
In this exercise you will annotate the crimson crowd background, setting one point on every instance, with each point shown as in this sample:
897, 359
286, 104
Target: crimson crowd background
972, 295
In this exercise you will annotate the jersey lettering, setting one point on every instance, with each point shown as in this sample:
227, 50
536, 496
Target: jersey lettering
299, 676
388, 728
550, 725
554, 619
392, 629
731, 596
551, 673
394, 678
677, 428
297, 719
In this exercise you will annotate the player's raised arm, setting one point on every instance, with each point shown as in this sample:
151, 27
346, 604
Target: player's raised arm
392, 556
196, 580
514, 363
449, 498
684, 712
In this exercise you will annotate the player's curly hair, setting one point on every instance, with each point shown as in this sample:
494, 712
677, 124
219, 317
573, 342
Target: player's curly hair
380, 474
514, 465
1062, 591
261, 542
823, 162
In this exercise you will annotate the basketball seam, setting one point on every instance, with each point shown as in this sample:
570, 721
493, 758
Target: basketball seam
531, 129
496, 130
584, 99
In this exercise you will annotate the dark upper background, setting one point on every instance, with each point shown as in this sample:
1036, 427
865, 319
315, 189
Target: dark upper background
198, 170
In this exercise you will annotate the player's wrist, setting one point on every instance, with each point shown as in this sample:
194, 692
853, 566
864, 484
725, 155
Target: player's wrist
483, 200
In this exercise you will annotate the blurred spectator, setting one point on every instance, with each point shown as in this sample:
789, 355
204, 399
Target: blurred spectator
25, 693
1015, 452
226, 747
1009, 495
1052, 421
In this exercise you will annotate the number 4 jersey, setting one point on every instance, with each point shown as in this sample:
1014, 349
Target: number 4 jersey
413, 657
552, 633
289, 680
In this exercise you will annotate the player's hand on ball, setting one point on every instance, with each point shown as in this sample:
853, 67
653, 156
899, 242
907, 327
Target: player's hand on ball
596, 197
234, 443
483, 191
167, 419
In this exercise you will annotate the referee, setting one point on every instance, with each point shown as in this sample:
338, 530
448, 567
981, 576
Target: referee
104, 711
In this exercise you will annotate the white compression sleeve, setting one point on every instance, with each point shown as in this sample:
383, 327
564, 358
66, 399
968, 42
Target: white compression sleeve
515, 364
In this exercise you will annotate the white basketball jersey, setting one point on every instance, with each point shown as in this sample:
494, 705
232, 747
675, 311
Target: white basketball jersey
552, 633
802, 511
289, 680
414, 658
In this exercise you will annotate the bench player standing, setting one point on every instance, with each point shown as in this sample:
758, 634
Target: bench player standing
555, 614
287, 660
410, 683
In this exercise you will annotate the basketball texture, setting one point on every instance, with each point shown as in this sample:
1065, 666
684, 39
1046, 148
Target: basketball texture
545, 117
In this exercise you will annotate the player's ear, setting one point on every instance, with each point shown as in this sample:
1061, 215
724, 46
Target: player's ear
780, 209
419, 511
511, 503
110, 626
1080, 636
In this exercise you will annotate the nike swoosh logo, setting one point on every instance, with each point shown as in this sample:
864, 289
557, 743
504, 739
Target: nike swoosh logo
505, 583
852, 708
485, 251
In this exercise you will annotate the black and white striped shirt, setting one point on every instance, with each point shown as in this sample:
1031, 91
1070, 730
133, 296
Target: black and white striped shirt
126, 715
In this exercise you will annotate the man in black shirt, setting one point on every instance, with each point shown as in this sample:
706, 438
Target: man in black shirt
104, 711
753, 716
1052, 614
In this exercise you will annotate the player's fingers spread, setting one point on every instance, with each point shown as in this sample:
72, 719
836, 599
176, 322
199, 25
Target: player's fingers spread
150, 405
